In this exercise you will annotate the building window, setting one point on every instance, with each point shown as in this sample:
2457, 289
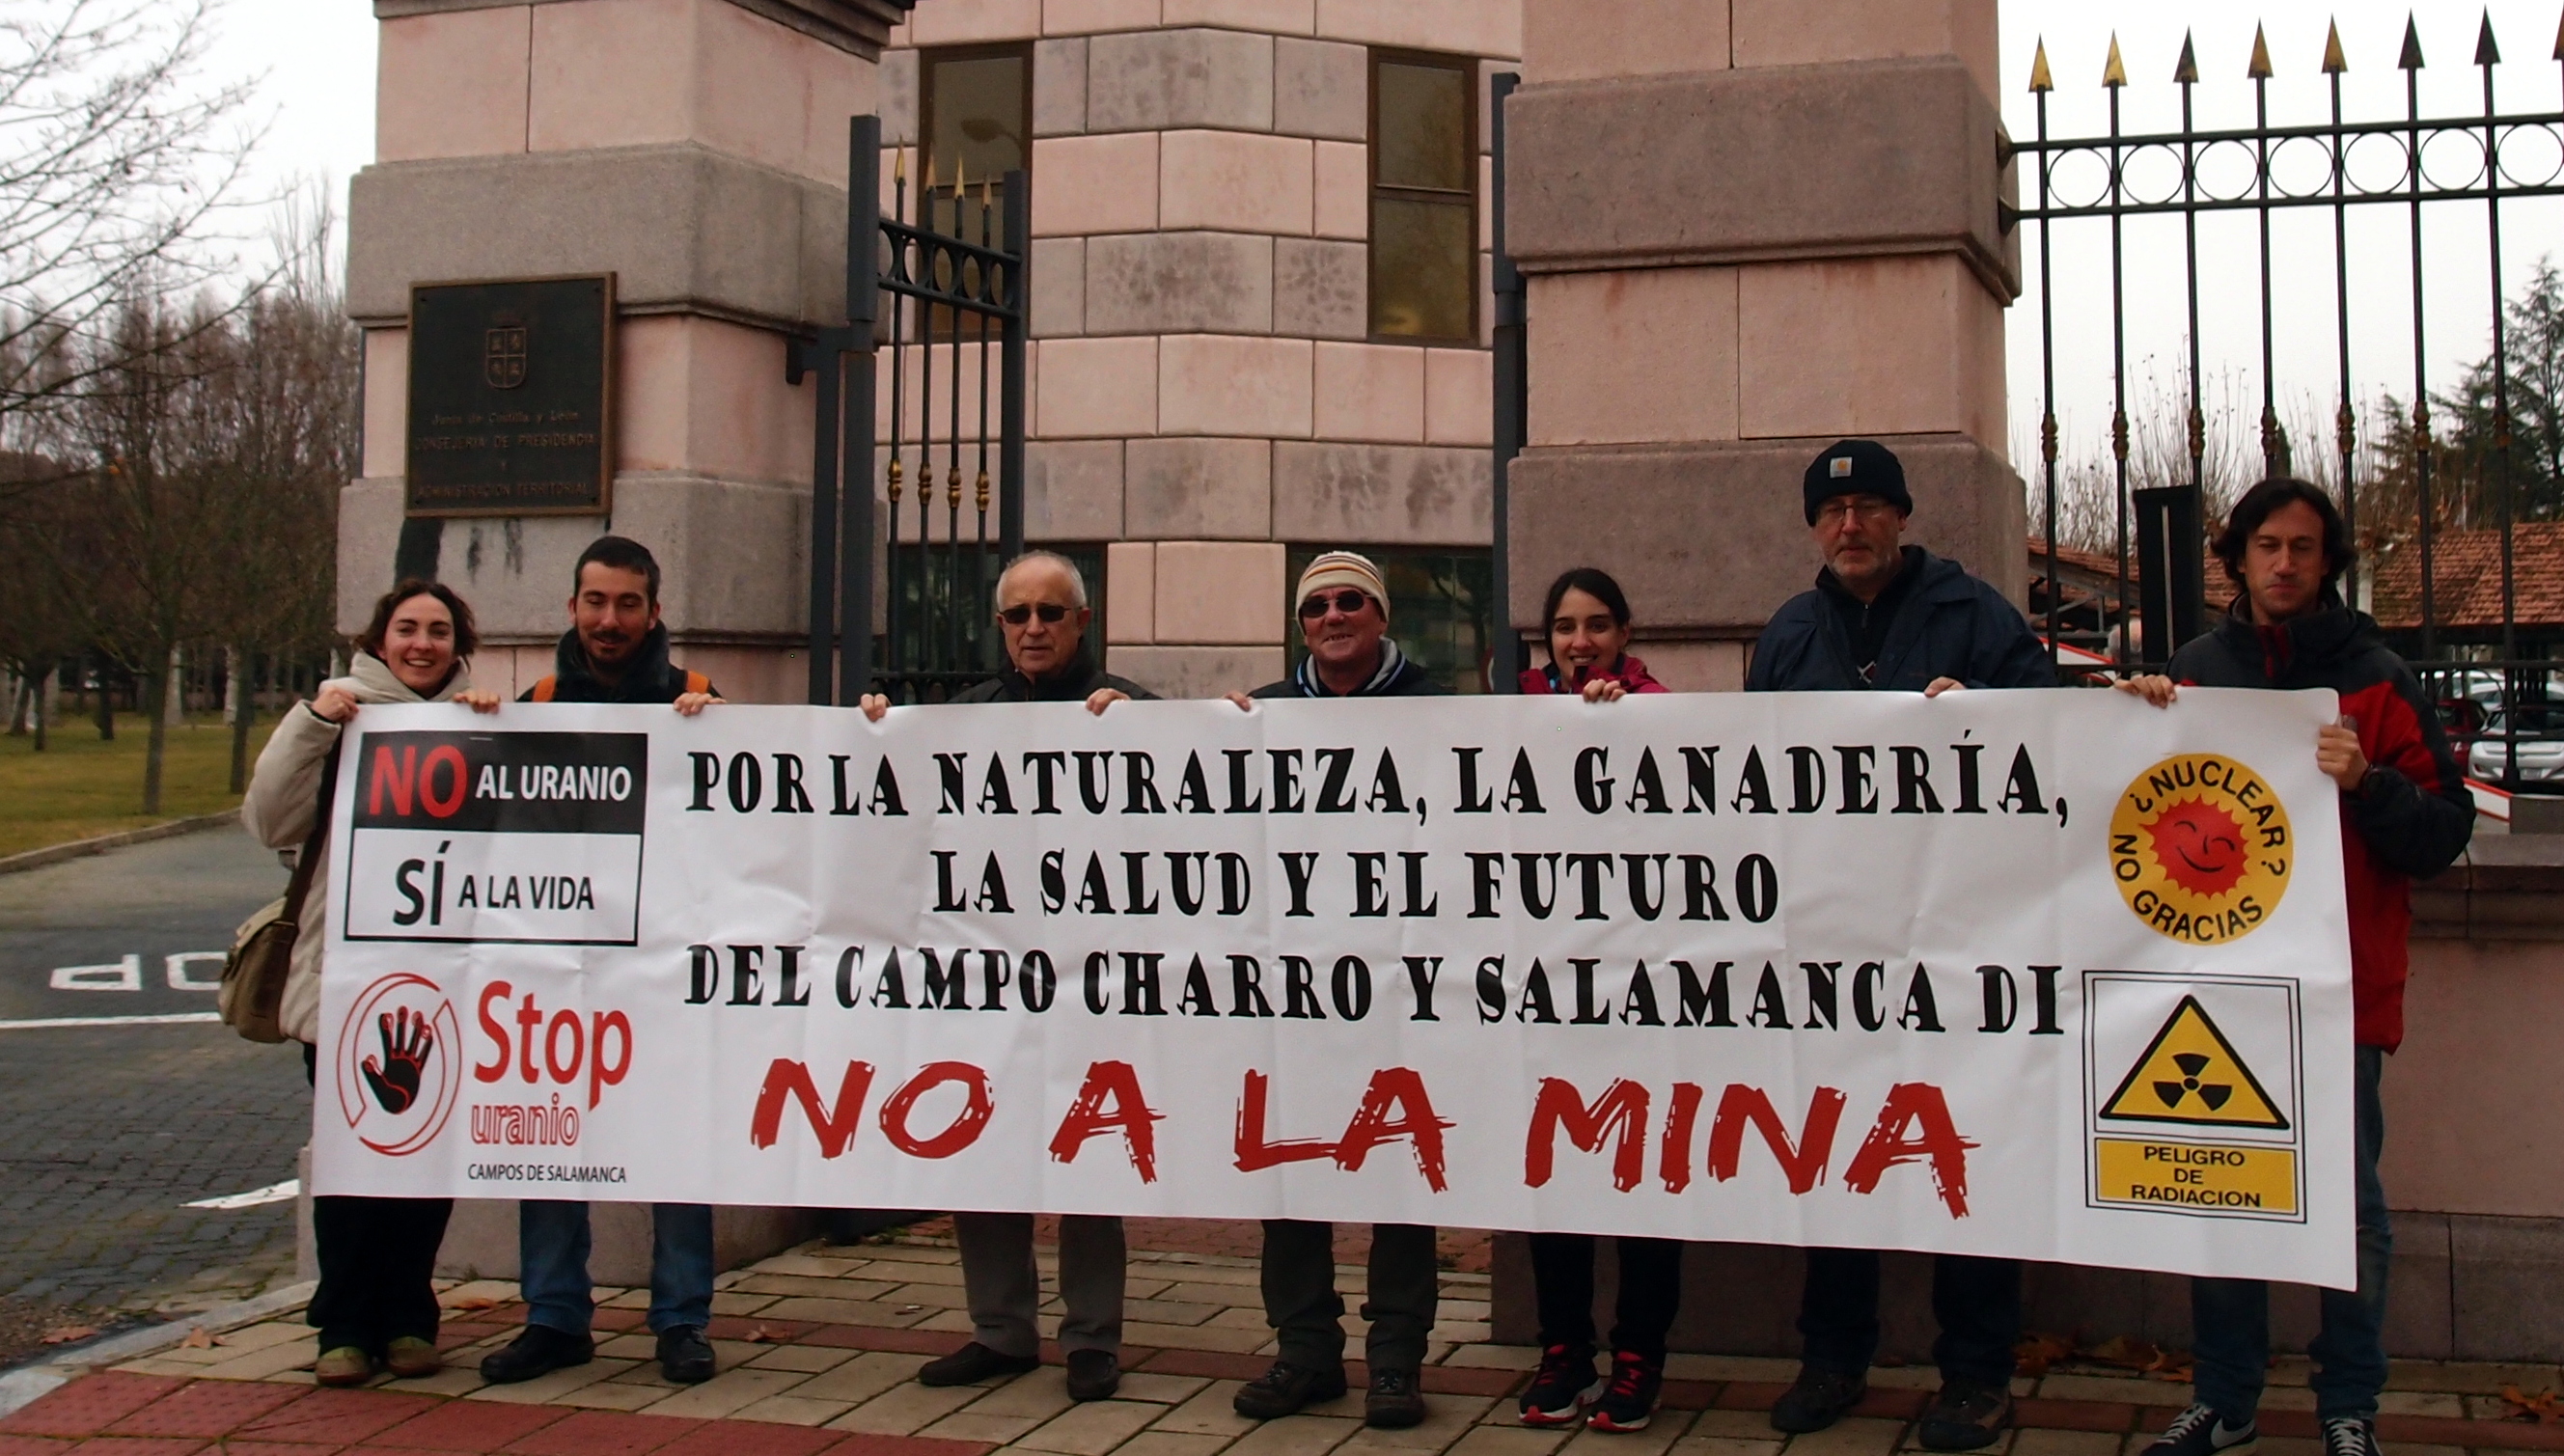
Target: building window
1423, 197
1437, 609
975, 106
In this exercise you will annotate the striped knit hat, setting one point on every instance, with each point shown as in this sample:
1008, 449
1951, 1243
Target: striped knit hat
1333, 569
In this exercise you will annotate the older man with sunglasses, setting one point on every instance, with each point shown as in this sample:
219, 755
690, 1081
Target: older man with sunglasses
1344, 618
1043, 614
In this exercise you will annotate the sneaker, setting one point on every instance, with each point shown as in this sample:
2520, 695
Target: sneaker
1287, 1389
345, 1365
972, 1364
1396, 1401
2200, 1432
410, 1358
1818, 1398
1630, 1401
685, 1355
537, 1350
1966, 1415
1093, 1374
2349, 1435
1562, 1387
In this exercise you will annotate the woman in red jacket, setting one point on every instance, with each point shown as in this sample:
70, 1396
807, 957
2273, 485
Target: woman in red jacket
1589, 641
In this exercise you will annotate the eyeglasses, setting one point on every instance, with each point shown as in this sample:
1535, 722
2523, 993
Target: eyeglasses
1016, 616
1868, 508
1347, 602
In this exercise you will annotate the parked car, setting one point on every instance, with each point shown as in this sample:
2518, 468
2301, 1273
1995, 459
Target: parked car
2540, 750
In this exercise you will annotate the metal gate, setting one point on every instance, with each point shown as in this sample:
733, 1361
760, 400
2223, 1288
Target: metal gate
954, 273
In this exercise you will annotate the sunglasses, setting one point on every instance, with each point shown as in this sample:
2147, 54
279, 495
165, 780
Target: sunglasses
1348, 602
1016, 616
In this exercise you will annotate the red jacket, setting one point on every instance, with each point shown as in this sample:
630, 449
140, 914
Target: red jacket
2410, 819
1629, 671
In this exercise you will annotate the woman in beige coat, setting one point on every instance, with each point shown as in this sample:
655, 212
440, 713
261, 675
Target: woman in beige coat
376, 1255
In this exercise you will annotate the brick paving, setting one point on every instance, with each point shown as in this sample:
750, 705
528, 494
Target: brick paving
819, 1348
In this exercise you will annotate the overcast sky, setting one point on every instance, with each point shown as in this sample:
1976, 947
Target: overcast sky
316, 58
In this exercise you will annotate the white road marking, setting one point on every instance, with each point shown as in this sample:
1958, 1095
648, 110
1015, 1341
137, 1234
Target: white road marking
176, 970
173, 1019
116, 975
272, 1193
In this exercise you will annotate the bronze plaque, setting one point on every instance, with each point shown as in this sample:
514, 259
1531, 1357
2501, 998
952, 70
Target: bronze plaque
510, 389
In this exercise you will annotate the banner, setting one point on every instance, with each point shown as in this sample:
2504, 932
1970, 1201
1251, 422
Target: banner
2056, 976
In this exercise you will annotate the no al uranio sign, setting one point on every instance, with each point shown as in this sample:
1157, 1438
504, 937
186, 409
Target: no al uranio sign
2055, 975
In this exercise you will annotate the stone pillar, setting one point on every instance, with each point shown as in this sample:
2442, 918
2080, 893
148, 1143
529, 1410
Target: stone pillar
696, 149
1750, 230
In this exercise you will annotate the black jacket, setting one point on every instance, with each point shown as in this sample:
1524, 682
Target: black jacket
1948, 624
1076, 682
1407, 680
2413, 814
649, 677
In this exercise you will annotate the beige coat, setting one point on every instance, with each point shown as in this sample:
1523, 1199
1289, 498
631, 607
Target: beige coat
284, 792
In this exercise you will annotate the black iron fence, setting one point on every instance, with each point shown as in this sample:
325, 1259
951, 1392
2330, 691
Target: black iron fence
2436, 494
910, 616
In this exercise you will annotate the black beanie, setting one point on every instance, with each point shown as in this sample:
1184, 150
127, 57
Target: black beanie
1856, 468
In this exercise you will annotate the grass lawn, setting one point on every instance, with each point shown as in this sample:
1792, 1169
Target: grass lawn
80, 787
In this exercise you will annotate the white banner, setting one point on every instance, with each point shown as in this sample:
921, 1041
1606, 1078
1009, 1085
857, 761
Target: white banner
2055, 975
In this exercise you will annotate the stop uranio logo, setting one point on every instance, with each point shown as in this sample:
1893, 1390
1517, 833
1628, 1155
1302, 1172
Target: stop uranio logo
396, 1065
2200, 848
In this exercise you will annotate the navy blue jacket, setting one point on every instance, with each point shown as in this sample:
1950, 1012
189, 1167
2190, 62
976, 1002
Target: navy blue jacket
1951, 625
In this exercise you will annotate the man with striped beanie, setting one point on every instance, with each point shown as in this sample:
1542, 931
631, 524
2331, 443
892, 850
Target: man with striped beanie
1343, 619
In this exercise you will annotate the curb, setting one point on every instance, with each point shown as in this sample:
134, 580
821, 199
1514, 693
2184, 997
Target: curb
22, 1386
55, 854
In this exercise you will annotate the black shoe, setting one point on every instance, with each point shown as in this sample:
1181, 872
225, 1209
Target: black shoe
1562, 1387
2201, 1431
972, 1364
538, 1350
685, 1355
1966, 1415
1287, 1389
1093, 1374
1818, 1400
1630, 1401
2349, 1435
1396, 1401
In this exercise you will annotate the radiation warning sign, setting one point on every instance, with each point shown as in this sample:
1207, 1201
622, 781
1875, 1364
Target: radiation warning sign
2192, 1074
2194, 1095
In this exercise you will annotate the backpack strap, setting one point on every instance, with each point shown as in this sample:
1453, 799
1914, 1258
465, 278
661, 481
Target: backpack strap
545, 688
697, 683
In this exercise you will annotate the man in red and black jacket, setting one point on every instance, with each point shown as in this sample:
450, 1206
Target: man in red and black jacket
2406, 814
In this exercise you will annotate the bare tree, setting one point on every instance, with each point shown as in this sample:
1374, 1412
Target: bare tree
115, 169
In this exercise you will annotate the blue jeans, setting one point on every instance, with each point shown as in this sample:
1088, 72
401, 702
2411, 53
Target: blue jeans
2231, 1317
552, 1243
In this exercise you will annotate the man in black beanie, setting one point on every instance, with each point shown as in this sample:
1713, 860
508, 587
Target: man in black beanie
1885, 615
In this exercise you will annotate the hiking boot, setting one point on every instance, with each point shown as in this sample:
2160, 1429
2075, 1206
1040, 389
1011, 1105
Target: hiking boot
2349, 1435
685, 1355
537, 1350
2201, 1431
1965, 1414
411, 1359
1562, 1387
972, 1364
1396, 1401
1287, 1389
1630, 1401
345, 1365
1093, 1374
1817, 1399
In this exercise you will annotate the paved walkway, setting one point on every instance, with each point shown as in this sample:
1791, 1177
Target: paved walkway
819, 1347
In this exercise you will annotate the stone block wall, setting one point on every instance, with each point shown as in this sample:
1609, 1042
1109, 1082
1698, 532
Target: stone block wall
1205, 389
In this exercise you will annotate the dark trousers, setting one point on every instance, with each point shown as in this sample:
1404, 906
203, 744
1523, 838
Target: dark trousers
1976, 1301
2231, 1317
1561, 1277
377, 1256
1306, 1313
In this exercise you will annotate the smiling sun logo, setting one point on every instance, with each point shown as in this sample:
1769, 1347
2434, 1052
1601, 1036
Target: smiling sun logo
2200, 848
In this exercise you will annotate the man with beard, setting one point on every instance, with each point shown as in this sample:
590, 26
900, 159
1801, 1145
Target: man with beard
616, 651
